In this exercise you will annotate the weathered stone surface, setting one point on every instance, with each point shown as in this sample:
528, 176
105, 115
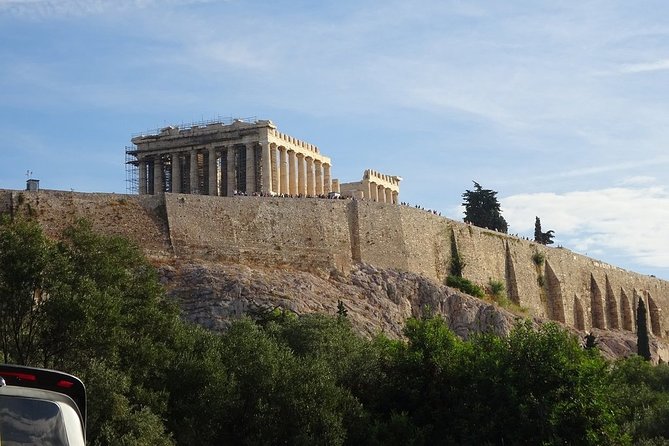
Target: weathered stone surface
378, 300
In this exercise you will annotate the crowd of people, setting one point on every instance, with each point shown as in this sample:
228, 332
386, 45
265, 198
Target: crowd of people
328, 196
431, 211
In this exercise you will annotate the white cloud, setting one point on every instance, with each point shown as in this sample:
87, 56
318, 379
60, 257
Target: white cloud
624, 222
639, 180
658, 65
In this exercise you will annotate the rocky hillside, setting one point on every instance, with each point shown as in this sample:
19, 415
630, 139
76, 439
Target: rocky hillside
377, 300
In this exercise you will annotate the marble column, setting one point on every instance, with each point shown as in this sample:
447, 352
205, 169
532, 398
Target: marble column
381, 194
311, 186
283, 162
389, 196
231, 171
157, 176
213, 171
250, 168
292, 173
275, 169
266, 163
301, 174
367, 189
374, 191
194, 181
327, 188
143, 190
396, 197
318, 168
335, 186
176, 173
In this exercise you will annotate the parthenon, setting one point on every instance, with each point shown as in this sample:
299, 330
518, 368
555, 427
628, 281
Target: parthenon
228, 159
243, 158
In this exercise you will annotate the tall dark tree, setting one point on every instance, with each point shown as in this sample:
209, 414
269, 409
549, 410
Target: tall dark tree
642, 342
545, 238
482, 209
537, 230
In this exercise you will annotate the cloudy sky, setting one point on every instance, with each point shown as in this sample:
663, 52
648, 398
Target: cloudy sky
561, 107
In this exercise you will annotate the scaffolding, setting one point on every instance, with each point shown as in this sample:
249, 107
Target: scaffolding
131, 171
195, 124
132, 165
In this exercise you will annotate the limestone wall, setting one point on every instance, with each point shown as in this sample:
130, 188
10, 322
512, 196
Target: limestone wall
308, 234
321, 235
379, 234
551, 282
141, 219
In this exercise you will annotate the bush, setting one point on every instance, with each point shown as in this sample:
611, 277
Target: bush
465, 285
538, 258
497, 289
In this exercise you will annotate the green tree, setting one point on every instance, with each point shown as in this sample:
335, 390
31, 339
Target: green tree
26, 274
545, 238
457, 263
89, 305
482, 209
642, 341
640, 392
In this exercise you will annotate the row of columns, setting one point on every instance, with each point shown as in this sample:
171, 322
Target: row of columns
280, 171
295, 173
380, 193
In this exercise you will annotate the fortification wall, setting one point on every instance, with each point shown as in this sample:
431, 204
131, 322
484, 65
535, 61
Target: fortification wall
379, 234
307, 234
553, 283
320, 235
140, 219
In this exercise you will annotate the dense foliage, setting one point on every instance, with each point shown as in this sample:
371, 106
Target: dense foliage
482, 209
91, 305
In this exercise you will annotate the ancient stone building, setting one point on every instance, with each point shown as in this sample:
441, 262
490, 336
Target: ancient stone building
374, 186
228, 159
246, 158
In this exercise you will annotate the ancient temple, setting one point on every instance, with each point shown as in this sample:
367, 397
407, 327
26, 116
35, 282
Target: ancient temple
229, 159
242, 157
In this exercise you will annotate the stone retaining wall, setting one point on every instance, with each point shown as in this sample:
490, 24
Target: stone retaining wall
324, 235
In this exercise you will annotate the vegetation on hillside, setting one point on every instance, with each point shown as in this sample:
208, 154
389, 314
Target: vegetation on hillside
92, 306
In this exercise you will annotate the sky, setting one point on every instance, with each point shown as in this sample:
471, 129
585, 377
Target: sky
559, 106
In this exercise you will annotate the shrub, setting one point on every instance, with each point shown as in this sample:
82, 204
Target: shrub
465, 285
538, 258
497, 289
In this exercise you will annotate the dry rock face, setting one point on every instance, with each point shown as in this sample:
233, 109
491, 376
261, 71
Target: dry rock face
377, 300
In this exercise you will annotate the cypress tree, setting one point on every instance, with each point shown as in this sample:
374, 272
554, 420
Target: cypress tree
642, 342
537, 230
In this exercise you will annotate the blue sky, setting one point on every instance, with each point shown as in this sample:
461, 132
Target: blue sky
562, 107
